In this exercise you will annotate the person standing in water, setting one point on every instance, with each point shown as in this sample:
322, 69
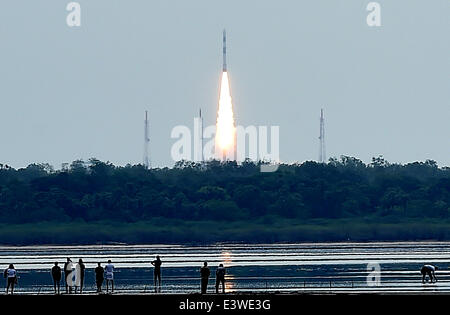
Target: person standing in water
68, 275
430, 271
56, 276
79, 275
10, 274
220, 278
204, 273
157, 273
109, 270
99, 277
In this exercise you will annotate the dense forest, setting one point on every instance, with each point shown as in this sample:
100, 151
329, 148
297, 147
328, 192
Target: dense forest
344, 199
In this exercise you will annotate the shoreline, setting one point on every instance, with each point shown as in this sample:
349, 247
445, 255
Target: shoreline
211, 232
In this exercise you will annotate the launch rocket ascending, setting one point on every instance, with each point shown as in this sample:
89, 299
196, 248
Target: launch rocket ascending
225, 129
224, 51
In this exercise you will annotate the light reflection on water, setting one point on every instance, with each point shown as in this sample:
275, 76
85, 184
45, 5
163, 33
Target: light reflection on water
229, 283
226, 257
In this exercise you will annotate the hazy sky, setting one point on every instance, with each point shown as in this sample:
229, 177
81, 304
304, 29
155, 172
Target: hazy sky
69, 93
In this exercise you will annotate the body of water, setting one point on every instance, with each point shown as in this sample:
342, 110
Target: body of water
306, 267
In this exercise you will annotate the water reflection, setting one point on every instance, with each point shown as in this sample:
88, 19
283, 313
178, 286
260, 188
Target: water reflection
227, 261
226, 258
229, 282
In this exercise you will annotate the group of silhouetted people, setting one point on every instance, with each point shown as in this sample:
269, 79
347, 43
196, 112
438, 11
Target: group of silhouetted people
107, 272
79, 274
220, 277
74, 277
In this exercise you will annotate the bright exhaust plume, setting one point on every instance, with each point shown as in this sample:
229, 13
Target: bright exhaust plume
225, 128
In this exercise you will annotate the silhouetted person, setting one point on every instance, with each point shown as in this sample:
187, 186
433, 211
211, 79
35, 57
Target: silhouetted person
79, 275
68, 275
157, 273
109, 270
56, 276
99, 277
220, 278
10, 274
204, 273
430, 271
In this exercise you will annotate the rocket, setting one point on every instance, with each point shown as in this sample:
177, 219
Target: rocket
224, 51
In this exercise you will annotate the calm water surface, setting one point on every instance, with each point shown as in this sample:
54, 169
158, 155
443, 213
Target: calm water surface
318, 267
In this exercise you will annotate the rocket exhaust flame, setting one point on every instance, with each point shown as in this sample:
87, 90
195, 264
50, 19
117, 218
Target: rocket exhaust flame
225, 127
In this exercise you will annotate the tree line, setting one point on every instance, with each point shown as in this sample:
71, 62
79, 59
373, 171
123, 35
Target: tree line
94, 191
